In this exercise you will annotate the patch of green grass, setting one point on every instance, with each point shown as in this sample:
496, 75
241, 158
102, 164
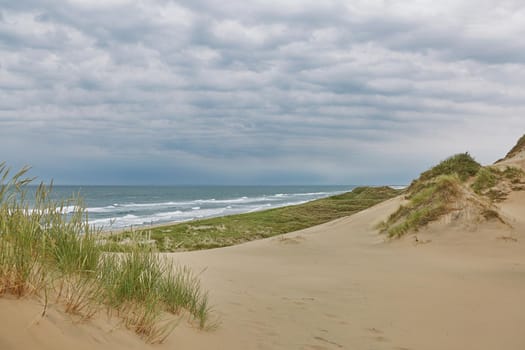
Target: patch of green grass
486, 178
235, 229
462, 164
488, 181
432, 194
515, 175
433, 199
44, 251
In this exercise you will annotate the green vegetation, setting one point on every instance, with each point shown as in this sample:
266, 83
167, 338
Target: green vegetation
235, 229
46, 253
495, 183
432, 200
463, 165
438, 190
486, 178
432, 195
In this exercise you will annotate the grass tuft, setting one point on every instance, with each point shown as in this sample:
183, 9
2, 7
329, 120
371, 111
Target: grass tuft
495, 183
432, 200
436, 192
486, 178
44, 251
462, 164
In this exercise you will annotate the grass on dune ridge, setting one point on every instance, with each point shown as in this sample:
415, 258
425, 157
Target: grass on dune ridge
60, 259
450, 186
235, 229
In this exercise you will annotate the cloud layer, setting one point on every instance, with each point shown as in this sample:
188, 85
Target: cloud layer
372, 91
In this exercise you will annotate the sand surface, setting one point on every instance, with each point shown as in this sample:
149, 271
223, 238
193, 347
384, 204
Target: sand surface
334, 286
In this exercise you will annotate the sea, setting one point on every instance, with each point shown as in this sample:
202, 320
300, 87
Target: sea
120, 207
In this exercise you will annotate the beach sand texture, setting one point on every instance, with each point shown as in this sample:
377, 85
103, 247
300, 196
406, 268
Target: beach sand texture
339, 285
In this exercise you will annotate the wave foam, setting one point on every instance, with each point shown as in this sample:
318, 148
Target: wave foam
122, 215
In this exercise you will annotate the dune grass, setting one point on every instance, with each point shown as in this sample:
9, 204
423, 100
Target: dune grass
44, 252
486, 178
495, 183
462, 165
432, 200
433, 194
235, 229
438, 189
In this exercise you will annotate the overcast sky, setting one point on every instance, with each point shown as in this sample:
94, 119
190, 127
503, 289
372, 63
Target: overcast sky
257, 92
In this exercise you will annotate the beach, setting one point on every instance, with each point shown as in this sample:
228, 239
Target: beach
334, 286
115, 208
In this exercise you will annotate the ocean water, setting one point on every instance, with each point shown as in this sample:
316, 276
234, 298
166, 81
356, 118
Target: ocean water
118, 207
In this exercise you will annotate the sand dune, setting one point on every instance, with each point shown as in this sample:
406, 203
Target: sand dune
334, 286
339, 286
456, 284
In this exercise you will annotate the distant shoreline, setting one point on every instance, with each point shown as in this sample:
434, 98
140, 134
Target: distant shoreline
208, 233
146, 226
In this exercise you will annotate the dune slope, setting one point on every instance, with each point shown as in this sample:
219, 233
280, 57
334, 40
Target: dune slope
335, 286
339, 286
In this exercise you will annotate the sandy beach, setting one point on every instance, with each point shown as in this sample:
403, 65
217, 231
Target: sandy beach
334, 286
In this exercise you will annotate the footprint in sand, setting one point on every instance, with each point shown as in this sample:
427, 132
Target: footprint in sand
377, 334
374, 330
290, 240
299, 301
324, 340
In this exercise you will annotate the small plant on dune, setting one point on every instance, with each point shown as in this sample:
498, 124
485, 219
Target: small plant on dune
80, 295
432, 195
144, 277
436, 192
515, 175
45, 251
20, 272
432, 201
486, 178
462, 164
181, 291
495, 183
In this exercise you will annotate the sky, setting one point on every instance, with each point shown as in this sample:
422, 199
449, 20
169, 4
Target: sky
257, 92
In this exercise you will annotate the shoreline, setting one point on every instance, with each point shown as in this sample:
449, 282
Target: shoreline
230, 230
119, 208
135, 228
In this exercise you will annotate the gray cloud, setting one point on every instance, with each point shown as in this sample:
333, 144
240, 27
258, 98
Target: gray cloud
124, 91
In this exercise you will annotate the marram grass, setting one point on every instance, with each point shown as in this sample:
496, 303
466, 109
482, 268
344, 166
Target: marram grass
438, 191
432, 200
46, 253
432, 195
